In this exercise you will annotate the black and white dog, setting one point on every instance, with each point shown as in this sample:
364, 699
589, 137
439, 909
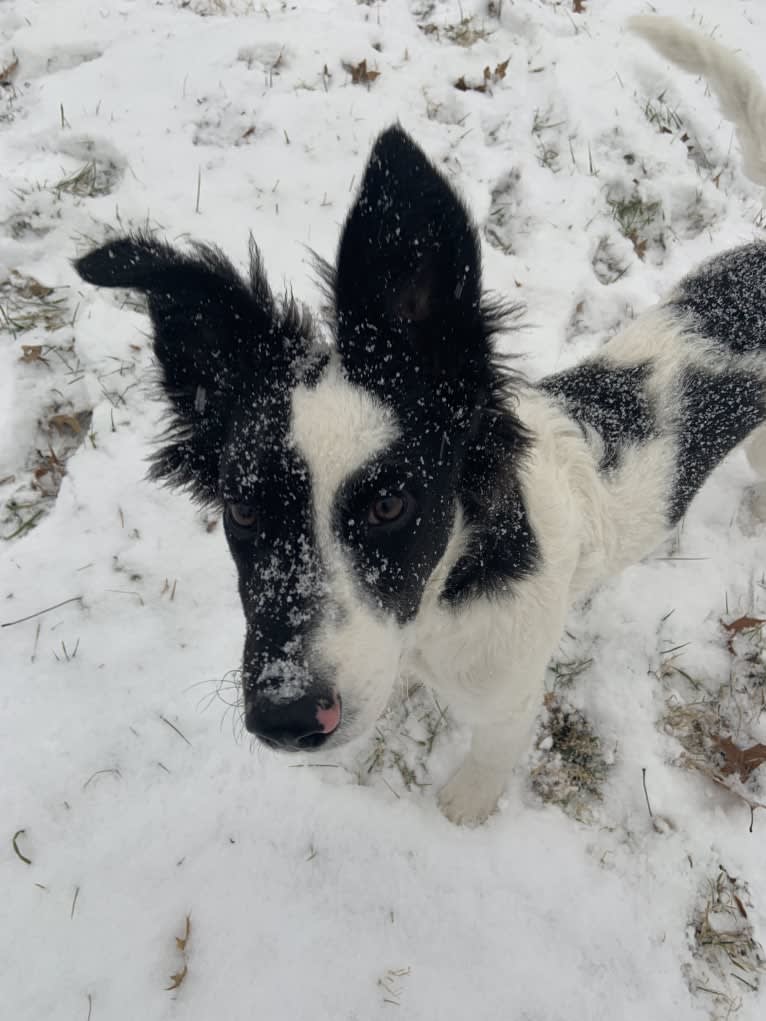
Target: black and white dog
401, 505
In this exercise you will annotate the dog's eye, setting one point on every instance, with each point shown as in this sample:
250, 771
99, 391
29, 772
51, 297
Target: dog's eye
243, 515
387, 509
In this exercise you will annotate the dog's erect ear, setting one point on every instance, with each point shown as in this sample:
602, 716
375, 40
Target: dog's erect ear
214, 335
408, 277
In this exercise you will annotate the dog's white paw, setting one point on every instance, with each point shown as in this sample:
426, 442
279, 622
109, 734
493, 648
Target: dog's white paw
471, 795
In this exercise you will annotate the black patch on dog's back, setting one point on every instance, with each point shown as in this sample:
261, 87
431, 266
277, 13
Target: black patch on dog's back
726, 299
610, 399
719, 410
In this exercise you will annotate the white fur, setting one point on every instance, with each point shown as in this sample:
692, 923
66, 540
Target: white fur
755, 448
740, 93
337, 427
488, 656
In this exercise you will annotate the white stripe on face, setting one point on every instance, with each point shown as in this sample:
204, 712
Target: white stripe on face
336, 428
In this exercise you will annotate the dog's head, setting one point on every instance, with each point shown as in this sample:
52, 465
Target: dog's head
355, 479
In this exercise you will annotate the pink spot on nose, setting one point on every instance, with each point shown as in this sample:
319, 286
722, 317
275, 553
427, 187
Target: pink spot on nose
329, 719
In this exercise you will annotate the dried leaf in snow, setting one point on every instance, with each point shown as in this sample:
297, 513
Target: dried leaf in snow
177, 979
743, 624
742, 761
360, 73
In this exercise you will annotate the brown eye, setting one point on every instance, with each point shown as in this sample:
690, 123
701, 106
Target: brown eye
386, 509
242, 514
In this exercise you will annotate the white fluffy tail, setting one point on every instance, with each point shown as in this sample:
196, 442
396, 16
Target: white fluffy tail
739, 91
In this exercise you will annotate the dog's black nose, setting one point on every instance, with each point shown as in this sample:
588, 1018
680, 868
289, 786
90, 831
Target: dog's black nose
295, 726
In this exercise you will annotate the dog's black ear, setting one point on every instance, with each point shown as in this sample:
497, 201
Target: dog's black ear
213, 331
408, 278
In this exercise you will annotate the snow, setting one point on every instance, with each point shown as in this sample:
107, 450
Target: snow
311, 893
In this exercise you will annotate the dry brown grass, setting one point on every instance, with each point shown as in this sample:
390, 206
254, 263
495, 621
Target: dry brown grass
716, 723
724, 947
572, 767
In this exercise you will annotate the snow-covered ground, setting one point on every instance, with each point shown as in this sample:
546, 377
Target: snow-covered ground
129, 799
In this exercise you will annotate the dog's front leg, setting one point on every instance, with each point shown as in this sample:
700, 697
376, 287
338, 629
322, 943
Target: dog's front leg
471, 795
500, 694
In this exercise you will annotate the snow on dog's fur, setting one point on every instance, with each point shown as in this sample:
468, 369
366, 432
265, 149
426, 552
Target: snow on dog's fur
402, 505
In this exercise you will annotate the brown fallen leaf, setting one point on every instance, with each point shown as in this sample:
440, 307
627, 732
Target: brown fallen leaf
578, 6
32, 353
181, 941
744, 624
462, 85
742, 761
693, 762
740, 625
7, 72
360, 73
28, 287
489, 78
62, 422
177, 979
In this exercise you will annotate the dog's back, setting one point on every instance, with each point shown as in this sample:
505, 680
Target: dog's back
664, 402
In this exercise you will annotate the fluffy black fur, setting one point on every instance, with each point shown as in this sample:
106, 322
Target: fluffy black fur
413, 326
610, 399
219, 339
718, 411
725, 299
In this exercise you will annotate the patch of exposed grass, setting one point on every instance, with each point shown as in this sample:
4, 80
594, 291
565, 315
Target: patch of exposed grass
667, 121
212, 8
465, 32
400, 748
505, 220
638, 220
61, 431
566, 671
728, 960
572, 769
716, 723
548, 152
90, 180
607, 267
26, 304
662, 115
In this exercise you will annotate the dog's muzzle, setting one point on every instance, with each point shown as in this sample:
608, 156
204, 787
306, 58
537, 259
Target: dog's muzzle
292, 724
